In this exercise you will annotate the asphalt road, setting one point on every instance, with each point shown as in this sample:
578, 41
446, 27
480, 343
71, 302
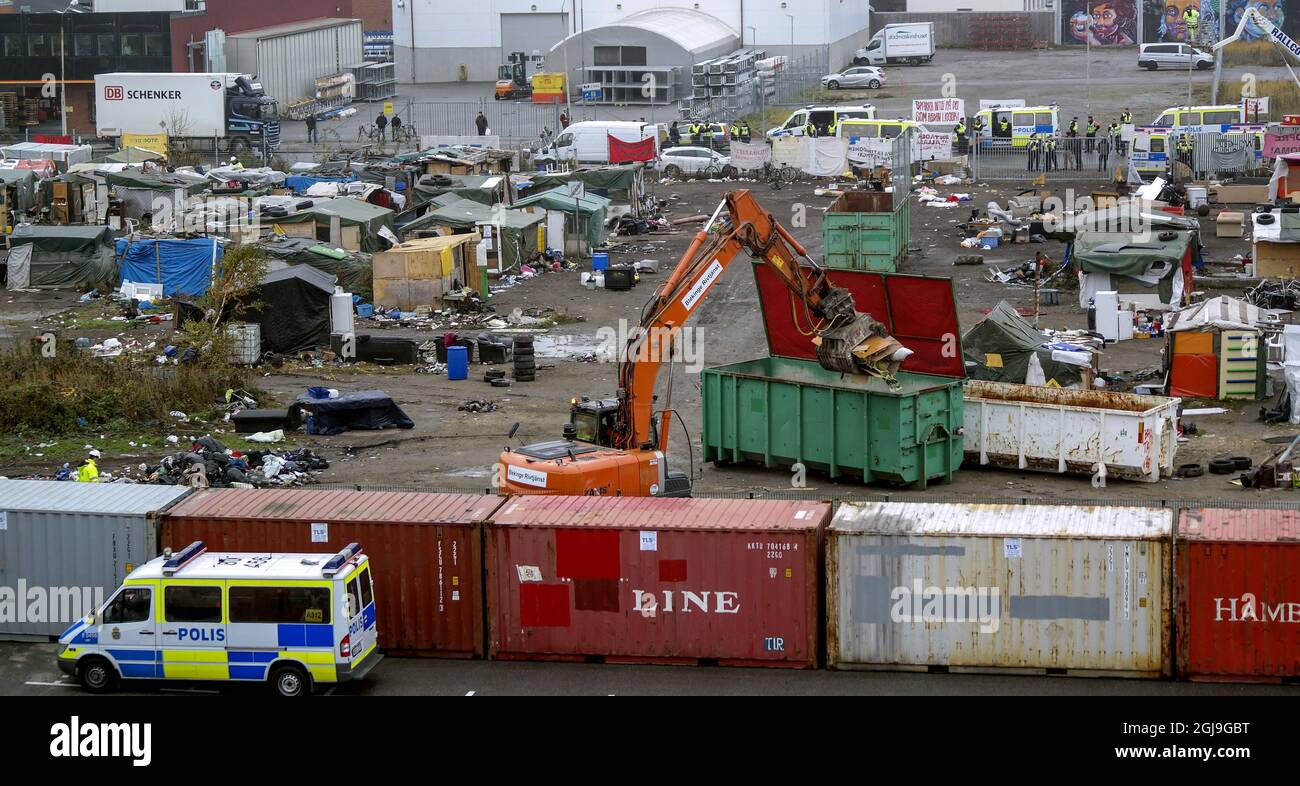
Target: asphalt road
29, 670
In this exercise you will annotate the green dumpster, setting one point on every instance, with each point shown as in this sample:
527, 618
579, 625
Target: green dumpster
863, 230
779, 411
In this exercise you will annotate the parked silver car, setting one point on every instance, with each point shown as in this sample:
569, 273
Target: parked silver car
858, 76
690, 161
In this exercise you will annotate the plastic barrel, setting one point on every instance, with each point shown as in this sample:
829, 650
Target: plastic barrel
457, 363
599, 260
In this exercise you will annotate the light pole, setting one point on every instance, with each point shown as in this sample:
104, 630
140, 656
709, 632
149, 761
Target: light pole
791, 18
63, 71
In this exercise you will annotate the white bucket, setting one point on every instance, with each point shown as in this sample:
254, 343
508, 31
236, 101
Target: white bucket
1196, 196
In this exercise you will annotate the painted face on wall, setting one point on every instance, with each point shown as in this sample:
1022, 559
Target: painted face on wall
1274, 10
1105, 21
1079, 26
1175, 27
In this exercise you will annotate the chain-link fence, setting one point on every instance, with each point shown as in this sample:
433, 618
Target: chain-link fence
1055, 158
516, 123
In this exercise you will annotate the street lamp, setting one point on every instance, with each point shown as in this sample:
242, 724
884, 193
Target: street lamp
753, 39
791, 18
63, 71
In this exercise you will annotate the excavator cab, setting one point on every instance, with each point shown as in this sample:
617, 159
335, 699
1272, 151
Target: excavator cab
592, 422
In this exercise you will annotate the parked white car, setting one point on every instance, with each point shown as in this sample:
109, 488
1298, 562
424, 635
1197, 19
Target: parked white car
858, 76
691, 161
1154, 56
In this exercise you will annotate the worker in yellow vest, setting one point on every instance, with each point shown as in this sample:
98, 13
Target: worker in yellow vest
88, 472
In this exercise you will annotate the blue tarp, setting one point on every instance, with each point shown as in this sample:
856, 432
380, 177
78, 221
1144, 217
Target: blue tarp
300, 183
186, 265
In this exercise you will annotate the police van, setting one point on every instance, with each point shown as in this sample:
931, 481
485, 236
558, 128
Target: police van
292, 620
1153, 146
1024, 122
823, 117
1198, 119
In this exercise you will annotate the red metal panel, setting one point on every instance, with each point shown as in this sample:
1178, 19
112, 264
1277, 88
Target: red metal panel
1194, 376
736, 581
918, 310
425, 550
1238, 594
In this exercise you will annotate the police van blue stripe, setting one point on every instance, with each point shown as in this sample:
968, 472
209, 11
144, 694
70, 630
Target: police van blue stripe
369, 616
247, 672
139, 670
252, 657
305, 635
153, 656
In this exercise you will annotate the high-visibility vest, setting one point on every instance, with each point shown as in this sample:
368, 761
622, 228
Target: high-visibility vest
1093, 128
810, 130
979, 123
1126, 118
960, 130
830, 129
88, 472
1074, 127
1004, 126
744, 129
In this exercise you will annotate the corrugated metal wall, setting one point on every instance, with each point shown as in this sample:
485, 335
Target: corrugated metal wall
952, 29
288, 65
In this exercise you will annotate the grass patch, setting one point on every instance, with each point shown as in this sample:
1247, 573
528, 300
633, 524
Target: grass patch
92, 323
1283, 94
1252, 53
115, 445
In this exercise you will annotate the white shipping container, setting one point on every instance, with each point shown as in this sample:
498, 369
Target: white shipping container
1015, 588
143, 103
1071, 431
65, 547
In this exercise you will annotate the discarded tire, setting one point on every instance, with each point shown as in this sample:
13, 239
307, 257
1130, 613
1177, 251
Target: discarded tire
492, 374
500, 383
524, 352
1222, 466
528, 377
1190, 471
1242, 462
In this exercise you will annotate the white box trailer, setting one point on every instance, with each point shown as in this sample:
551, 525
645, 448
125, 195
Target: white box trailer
1037, 589
189, 105
1086, 432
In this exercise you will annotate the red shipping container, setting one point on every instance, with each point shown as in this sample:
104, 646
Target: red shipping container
1238, 595
652, 580
425, 551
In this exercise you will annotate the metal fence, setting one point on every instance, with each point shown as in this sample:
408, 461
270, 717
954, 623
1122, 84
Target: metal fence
1013, 159
516, 123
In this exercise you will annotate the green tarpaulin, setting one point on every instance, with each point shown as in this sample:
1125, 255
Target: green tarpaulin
520, 229
590, 212
23, 182
354, 269
134, 178
351, 212
623, 182
68, 256
1151, 262
999, 347
477, 188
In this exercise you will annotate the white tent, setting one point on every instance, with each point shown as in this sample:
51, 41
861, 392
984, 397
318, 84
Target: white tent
1222, 313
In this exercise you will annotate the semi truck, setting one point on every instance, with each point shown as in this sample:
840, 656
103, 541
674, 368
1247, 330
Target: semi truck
911, 43
232, 108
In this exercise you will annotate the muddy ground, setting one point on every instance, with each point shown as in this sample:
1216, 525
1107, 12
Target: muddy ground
456, 450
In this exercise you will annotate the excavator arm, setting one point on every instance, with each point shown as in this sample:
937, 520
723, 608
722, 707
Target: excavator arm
847, 341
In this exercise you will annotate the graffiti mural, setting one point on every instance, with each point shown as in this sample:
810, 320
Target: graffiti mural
1163, 19
1100, 22
1275, 10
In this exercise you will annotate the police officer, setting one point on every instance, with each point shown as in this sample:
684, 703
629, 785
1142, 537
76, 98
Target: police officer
1091, 133
810, 130
744, 132
1126, 117
1115, 144
1032, 146
1050, 145
1191, 18
1185, 150
735, 131
978, 126
1004, 128
1103, 153
695, 133
960, 131
832, 128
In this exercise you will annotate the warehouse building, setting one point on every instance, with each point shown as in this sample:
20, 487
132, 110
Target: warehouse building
287, 59
434, 43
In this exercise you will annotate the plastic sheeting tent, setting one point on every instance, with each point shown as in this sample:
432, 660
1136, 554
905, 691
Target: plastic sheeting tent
621, 183
366, 217
592, 208
183, 267
354, 269
63, 256
293, 309
1162, 266
23, 182
521, 230
999, 347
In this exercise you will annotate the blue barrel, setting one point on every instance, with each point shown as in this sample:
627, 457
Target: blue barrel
599, 260
457, 363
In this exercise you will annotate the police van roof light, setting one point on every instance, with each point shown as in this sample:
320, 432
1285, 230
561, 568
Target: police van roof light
178, 560
337, 562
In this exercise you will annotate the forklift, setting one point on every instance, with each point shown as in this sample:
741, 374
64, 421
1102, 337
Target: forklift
514, 79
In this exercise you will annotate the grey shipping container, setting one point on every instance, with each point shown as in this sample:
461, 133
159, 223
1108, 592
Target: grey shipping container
1000, 588
65, 547
288, 59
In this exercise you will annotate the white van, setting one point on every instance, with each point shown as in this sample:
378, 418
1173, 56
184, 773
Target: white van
822, 117
292, 620
1154, 56
587, 142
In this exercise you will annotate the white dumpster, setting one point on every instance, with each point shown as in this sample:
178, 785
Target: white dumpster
1087, 432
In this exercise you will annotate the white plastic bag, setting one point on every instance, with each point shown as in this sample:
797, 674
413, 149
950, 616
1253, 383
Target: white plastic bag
1034, 374
1292, 370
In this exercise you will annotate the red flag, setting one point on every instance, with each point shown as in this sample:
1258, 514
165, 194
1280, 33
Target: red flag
621, 152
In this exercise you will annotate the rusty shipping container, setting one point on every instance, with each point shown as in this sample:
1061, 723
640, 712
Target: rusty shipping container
1239, 595
630, 579
425, 551
1003, 588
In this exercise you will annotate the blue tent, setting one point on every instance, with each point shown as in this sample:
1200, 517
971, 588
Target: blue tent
300, 183
183, 267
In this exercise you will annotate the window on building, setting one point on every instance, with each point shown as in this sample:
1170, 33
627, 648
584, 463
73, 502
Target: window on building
83, 45
132, 44
155, 45
13, 45
39, 46
106, 43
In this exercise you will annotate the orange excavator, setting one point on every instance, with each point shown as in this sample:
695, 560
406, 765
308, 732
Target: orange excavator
619, 446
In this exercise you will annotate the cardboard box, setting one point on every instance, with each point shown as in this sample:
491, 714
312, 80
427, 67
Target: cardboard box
1240, 194
1230, 224
1277, 260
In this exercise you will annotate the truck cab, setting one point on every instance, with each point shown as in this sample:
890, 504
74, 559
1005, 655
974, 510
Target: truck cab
251, 113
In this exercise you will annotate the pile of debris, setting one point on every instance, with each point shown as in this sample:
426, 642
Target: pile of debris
210, 463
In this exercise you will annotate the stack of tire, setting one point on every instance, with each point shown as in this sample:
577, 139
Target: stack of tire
525, 362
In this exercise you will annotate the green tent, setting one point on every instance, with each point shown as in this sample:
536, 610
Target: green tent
587, 212
519, 229
137, 179
23, 181
487, 190
351, 212
354, 269
64, 256
998, 349
1150, 263
621, 182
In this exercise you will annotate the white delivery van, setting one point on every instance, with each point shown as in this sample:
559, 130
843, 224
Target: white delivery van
823, 117
587, 142
910, 43
292, 620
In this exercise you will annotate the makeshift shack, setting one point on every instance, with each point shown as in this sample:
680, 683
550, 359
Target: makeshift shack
72, 199
64, 155
623, 184
1286, 178
1004, 347
486, 190
51, 256
584, 218
423, 271
145, 194
353, 269
1153, 272
18, 192
1214, 350
358, 223
183, 267
514, 236
364, 409
1276, 243
293, 308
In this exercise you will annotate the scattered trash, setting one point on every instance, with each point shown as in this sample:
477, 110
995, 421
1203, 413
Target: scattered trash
478, 406
267, 436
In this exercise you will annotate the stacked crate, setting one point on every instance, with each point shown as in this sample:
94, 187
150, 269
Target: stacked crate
999, 32
8, 110
723, 83
31, 111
